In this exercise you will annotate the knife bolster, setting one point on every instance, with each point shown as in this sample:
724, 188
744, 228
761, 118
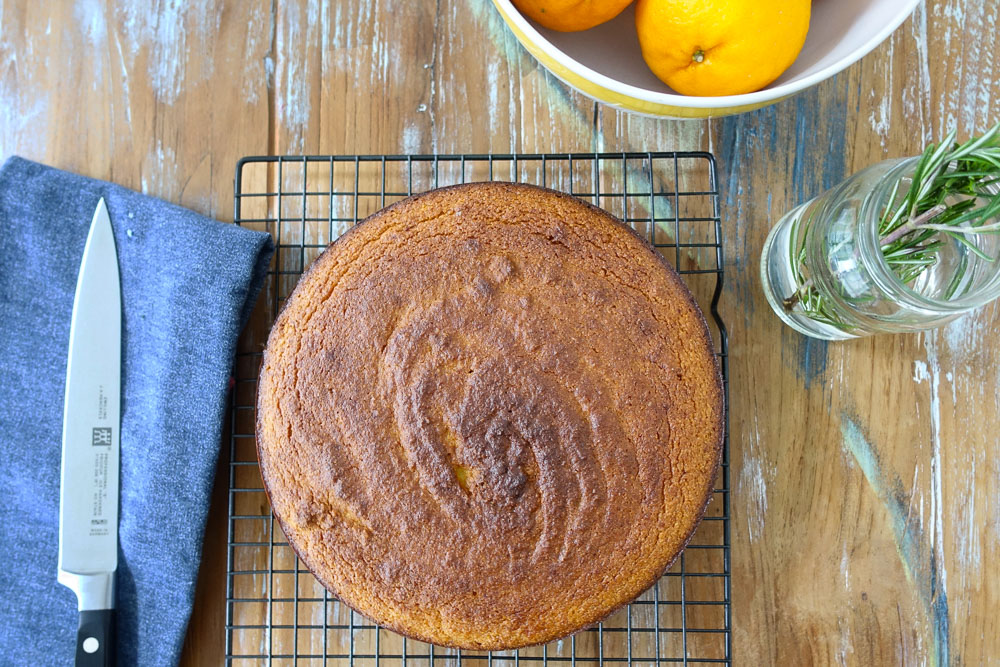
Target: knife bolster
93, 591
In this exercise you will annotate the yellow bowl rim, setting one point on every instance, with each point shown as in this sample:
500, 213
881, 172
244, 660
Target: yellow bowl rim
522, 27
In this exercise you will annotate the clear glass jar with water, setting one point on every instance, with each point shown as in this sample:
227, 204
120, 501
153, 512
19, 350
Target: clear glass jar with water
825, 272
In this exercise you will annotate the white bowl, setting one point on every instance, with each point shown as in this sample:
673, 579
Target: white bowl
605, 62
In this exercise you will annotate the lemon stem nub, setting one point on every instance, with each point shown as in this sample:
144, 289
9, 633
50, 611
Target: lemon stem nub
699, 56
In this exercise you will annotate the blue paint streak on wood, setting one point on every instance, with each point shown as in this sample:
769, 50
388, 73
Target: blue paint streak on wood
820, 163
917, 557
939, 614
820, 139
741, 140
815, 123
812, 359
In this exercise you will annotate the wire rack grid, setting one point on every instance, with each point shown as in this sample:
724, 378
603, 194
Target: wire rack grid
276, 611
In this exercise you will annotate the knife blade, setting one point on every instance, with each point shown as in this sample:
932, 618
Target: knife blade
88, 492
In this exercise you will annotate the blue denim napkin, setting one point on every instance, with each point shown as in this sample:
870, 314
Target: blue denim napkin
188, 284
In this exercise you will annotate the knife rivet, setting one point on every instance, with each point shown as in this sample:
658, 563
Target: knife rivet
90, 645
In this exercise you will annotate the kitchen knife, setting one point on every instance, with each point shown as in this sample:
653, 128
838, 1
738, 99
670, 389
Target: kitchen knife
88, 493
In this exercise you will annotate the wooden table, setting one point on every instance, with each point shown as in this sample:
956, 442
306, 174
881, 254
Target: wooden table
866, 486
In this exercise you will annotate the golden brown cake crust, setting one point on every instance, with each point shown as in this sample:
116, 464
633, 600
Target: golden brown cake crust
489, 415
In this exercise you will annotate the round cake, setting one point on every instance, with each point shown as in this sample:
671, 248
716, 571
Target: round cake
488, 416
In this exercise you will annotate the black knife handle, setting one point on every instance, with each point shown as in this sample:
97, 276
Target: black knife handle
95, 639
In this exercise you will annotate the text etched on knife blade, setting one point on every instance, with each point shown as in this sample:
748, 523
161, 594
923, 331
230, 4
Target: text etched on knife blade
102, 403
98, 522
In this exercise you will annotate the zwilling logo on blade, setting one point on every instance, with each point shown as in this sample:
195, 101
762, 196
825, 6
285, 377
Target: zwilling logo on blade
102, 436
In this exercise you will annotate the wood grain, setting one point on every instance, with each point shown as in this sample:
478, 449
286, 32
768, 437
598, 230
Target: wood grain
866, 510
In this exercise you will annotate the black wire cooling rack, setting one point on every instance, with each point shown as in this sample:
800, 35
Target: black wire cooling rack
276, 611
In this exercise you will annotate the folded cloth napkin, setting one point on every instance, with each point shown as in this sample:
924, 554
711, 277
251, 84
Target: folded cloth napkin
188, 284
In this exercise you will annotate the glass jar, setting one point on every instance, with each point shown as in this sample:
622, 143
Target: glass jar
825, 275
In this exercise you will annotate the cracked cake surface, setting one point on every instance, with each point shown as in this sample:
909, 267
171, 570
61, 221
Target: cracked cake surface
488, 416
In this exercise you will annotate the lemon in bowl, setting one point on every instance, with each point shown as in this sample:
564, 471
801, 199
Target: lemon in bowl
571, 15
720, 47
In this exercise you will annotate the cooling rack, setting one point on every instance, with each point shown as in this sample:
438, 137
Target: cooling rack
276, 611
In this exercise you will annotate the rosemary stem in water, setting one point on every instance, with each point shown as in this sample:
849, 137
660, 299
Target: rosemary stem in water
903, 230
914, 224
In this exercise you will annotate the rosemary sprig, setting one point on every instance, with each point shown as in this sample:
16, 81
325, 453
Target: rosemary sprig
953, 193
